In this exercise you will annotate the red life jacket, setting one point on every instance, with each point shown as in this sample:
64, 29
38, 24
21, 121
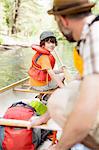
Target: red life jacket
18, 138
36, 71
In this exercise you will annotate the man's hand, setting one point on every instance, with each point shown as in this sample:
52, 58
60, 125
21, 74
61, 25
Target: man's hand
35, 120
54, 147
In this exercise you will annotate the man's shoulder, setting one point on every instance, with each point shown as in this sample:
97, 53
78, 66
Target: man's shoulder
94, 24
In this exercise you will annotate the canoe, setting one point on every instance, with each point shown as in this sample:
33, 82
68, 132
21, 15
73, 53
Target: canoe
15, 92
18, 91
21, 91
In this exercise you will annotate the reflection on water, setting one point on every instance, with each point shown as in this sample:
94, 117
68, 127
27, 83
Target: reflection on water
14, 64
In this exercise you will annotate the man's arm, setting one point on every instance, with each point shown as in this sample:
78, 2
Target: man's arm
83, 116
90, 143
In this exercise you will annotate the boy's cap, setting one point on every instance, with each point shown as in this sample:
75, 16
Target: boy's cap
70, 7
46, 34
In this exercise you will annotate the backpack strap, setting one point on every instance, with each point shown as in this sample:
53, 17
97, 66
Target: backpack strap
78, 44
96, 19
22, 104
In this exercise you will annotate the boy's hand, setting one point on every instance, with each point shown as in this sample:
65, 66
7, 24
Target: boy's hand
62, 69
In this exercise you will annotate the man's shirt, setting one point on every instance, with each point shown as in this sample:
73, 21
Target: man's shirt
89, 46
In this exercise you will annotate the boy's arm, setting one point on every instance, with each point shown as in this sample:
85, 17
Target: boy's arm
45, 63
55, 77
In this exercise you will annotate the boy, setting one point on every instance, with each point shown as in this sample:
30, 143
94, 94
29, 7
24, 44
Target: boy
42, 75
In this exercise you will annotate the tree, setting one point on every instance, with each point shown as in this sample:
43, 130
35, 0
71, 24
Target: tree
15, 16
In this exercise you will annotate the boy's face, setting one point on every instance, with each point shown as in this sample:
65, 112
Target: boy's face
50, 45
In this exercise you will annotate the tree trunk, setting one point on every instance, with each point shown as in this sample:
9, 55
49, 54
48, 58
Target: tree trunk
15, 16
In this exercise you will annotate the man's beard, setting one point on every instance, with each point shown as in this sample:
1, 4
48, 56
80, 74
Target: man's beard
69, 37
67, 33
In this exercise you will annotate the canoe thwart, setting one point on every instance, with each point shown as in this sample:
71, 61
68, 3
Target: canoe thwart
29, 90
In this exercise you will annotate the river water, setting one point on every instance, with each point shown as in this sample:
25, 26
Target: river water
14, 63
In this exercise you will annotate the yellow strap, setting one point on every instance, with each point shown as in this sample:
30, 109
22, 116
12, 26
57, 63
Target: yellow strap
78, 61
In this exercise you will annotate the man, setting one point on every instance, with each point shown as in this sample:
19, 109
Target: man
74, 18
76, 22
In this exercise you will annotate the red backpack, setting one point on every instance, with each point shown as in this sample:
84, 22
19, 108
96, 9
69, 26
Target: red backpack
12, 138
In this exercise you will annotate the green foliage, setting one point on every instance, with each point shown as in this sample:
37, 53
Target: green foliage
8, 6
32, 17
1, 40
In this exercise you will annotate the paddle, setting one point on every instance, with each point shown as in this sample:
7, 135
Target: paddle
66, 74
23, 123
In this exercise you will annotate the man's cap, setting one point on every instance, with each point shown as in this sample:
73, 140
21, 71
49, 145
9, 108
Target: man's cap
46, 34
70, 7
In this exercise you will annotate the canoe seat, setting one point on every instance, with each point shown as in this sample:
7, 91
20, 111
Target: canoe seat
27, 88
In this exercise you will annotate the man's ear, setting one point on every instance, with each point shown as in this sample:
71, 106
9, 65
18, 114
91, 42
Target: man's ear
64, 21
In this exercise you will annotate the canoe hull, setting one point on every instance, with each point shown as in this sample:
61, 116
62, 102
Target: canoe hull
8, 96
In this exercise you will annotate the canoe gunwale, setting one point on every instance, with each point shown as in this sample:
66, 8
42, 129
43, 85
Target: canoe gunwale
11, 86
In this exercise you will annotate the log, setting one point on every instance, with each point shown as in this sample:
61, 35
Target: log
9, 46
